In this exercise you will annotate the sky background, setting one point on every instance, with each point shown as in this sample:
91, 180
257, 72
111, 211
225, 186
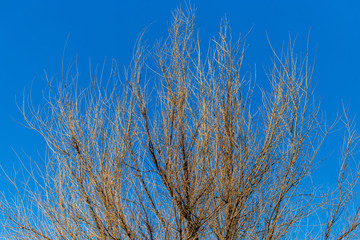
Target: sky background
33, 35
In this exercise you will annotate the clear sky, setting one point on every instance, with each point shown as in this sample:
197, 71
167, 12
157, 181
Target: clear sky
33, 34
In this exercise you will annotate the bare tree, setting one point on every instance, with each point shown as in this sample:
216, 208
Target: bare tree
184, 148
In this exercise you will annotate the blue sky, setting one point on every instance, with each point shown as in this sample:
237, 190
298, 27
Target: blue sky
33, 35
